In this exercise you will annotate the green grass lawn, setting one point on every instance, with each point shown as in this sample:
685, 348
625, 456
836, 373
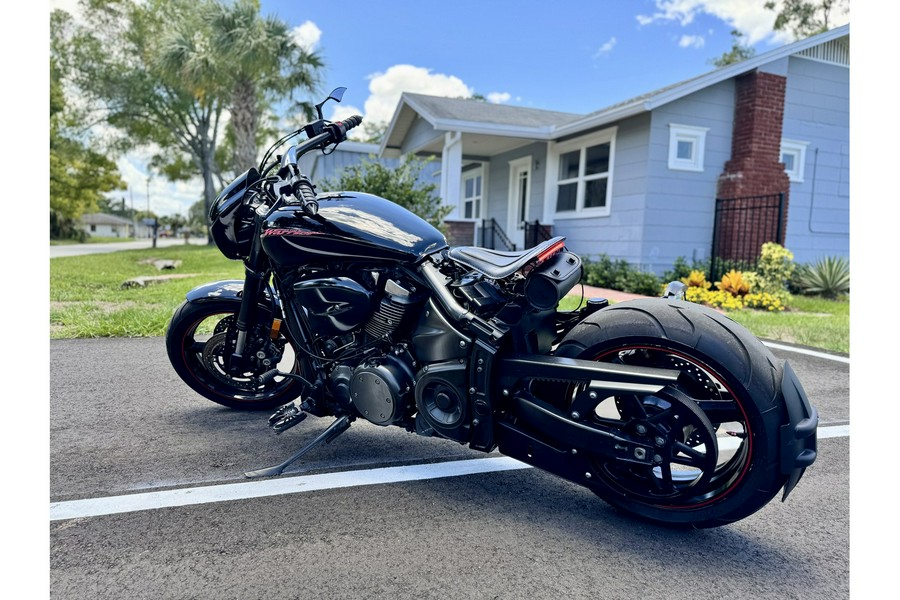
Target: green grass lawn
87, 299
808, 321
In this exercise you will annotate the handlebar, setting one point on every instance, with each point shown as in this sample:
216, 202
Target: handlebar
297, 184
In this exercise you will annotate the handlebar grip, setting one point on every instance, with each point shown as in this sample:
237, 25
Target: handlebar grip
304, 190
339, 129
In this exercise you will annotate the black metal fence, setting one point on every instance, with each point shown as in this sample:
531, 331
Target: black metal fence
741, 227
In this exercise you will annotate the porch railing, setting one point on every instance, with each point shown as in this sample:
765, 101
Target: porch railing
492, 235
535, 233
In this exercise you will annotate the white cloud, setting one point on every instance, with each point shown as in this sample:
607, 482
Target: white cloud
307, 35
385, 89
750, 18
166, 197
498, 97
606, 48
691, 41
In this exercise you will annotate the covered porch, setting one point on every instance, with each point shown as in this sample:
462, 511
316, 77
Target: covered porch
492, 165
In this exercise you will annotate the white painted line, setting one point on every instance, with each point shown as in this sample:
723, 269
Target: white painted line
95, 507
841, 359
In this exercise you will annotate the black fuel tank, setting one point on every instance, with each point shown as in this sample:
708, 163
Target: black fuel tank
349, 225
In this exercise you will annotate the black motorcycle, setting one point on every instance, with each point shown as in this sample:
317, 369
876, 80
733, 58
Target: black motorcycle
358, 308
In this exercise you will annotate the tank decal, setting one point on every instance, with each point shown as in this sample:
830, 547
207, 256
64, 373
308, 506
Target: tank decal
290, 231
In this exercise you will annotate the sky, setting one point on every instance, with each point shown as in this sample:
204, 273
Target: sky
569, 56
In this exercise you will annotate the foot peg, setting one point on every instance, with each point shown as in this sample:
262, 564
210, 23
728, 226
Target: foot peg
286, 417
339, 426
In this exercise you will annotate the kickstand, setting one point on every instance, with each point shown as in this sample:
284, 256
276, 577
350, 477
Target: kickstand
339, 426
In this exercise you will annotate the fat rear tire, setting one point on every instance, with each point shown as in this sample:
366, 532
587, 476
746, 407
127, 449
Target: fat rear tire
686, 333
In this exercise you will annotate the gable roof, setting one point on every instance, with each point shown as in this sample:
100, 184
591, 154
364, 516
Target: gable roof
469, 116
104, 219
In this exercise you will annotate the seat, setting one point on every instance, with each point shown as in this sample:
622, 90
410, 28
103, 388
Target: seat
497, 264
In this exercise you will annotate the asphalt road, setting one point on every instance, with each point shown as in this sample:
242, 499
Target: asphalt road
57, 251
121, 422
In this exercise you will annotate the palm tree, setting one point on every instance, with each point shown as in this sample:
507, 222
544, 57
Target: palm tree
262, 64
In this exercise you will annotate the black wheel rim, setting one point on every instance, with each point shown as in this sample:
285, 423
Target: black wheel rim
202, 353
707, 444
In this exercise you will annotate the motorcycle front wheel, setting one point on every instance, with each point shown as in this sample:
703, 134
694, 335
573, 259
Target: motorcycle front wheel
196, 342
716, 429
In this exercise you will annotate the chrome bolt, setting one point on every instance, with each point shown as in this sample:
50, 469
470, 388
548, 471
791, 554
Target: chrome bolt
475, 422
657, 458
472, 390
260, 355
506, 392
588, 475
592, 395
660, 441
640, 453
575, 415
574, 451
641, 429
462, 344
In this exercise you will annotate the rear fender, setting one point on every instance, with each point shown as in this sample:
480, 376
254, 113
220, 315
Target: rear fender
798, 436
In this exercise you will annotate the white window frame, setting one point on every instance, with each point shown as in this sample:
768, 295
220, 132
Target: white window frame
478, 171
687, 133
552, 182
796, 149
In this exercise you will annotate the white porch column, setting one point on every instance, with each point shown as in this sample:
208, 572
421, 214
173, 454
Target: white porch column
451, 171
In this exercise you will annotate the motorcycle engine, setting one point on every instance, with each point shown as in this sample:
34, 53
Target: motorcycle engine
377, 376
381, 389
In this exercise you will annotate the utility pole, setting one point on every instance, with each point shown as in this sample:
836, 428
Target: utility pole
155, 224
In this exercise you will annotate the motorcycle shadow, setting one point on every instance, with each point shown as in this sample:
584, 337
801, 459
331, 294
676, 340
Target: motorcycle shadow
526, 503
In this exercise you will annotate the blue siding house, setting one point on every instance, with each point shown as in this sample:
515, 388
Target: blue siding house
641, 180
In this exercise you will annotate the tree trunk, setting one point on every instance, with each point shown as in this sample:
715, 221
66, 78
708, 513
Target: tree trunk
245, 121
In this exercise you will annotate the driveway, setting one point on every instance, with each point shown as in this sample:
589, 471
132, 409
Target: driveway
123, 424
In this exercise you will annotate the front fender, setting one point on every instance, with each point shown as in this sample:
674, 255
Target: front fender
232, 289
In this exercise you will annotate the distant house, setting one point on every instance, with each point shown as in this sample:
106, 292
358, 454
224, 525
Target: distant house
104, 225
752, 152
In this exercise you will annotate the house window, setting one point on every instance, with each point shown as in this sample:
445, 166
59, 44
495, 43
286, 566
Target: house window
687, 145
582, 179
793, 155
472, 195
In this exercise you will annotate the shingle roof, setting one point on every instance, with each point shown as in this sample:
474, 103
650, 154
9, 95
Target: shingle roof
501, 119
104, 219
465, 109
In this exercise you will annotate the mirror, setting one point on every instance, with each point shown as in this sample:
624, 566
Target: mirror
336, 95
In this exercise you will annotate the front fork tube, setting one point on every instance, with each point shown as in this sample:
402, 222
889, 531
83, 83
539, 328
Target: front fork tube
254, 283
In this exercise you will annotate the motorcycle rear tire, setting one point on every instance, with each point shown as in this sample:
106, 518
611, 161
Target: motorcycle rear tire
185, 355
708, 347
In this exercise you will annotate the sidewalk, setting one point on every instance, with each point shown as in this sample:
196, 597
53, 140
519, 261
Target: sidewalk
611, 295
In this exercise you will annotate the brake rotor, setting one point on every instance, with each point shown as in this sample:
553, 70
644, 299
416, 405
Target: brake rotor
214, 361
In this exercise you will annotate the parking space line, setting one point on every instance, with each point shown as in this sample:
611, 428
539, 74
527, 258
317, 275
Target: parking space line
808, 352
95, 507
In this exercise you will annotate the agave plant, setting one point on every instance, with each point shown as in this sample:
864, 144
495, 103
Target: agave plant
829, 277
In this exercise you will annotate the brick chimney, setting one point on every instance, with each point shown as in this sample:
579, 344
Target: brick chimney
755, 167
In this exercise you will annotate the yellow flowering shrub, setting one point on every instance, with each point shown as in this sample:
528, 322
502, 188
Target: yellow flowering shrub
696, 279
733, 283
764, 301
